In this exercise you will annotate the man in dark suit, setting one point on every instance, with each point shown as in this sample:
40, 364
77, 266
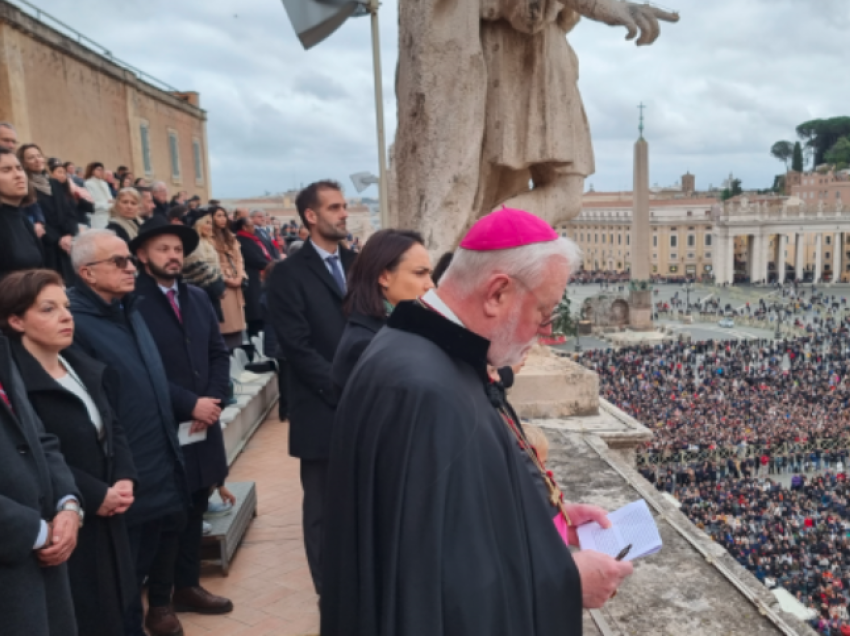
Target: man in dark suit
185, 329
40, 515
258, 218
305, 301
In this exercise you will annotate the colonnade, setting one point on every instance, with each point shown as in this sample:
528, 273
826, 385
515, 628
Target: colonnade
758, 257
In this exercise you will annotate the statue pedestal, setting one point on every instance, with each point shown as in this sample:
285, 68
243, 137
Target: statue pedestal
640, 310
551, 386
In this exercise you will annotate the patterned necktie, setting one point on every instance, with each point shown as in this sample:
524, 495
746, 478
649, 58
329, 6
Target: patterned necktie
172, 298
336, 271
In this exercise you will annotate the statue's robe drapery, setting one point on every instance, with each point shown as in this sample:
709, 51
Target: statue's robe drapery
486, 89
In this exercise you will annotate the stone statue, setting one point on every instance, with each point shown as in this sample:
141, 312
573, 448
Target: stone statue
489, 111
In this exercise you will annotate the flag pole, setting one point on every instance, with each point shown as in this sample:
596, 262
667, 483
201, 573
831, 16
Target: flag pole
383, 184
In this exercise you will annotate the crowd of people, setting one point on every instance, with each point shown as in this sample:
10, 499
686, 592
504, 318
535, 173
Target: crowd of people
730, 418
115, 352
114, 370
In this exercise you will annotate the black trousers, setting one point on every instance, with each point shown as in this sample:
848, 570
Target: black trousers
314, 477
187, 568
153, 546
283, 389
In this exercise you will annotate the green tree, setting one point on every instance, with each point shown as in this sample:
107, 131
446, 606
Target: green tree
797, 158
840, 152
822, 134
782, 150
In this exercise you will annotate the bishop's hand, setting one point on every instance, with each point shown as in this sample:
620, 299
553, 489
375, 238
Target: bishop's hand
635, 17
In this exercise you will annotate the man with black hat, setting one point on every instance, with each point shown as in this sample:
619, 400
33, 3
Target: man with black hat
185, 330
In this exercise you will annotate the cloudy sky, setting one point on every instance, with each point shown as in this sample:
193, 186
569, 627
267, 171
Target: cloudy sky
721, 86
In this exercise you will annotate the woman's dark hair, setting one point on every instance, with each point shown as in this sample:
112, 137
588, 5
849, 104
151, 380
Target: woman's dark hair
382, 252
222, 236
22, 150
19, 291
94, 165
442, 266
30, 197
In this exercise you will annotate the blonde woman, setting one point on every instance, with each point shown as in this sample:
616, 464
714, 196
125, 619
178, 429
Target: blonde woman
233, 271
124, 214
202, 267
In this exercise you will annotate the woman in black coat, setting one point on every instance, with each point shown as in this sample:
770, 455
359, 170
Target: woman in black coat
256, 258
60, 217
393, 266
19, 245
67, 390
78, 205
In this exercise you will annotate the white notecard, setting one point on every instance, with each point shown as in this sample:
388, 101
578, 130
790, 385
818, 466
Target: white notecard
632, 524
185, 437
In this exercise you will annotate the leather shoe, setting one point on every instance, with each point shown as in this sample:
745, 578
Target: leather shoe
197, 599
162, 621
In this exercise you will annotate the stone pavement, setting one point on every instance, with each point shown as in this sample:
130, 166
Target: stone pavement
269, 580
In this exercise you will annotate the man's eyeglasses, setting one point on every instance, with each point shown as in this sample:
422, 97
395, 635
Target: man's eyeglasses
549, 320
120, 262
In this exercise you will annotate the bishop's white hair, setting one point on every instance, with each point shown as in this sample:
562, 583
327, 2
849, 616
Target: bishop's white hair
84, 247
469, 269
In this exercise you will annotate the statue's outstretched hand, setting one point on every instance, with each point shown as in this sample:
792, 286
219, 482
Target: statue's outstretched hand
635, 17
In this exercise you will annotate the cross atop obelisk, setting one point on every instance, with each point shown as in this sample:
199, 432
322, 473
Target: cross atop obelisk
640, 127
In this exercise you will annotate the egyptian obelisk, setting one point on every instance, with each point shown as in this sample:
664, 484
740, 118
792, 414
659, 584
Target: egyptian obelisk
640, 297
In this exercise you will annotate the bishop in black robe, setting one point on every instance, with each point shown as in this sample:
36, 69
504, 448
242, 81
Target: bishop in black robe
437, 525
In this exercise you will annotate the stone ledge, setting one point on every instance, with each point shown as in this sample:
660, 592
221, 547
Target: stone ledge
551, 386
693, 586
254, 400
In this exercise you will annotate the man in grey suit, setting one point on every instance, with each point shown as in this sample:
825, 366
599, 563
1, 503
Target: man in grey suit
40, 514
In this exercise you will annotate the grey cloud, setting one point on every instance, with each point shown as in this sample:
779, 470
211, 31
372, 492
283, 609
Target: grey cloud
722, 85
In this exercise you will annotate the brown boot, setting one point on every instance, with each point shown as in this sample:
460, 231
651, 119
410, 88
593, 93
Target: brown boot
197, 599
162, 621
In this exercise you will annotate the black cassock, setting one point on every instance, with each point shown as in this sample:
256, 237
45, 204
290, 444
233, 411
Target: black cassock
436, 524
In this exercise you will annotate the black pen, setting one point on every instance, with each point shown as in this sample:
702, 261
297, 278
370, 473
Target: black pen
624, 552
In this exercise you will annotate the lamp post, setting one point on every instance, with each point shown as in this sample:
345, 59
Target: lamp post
778, 322
315, 20
383, 181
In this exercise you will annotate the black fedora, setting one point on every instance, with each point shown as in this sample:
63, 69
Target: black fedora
158, 225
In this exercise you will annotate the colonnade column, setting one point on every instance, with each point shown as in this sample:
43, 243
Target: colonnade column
781, 247
837, 251
722, 273
757, 258
818, 273
799, 255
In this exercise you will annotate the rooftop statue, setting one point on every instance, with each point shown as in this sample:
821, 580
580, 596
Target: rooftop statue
489, 111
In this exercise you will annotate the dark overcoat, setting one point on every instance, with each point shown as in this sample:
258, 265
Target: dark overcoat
116, 334
255, 263
60, 219
439, 524
359, 331
197, 364
306, 309
34, 601
101, 567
